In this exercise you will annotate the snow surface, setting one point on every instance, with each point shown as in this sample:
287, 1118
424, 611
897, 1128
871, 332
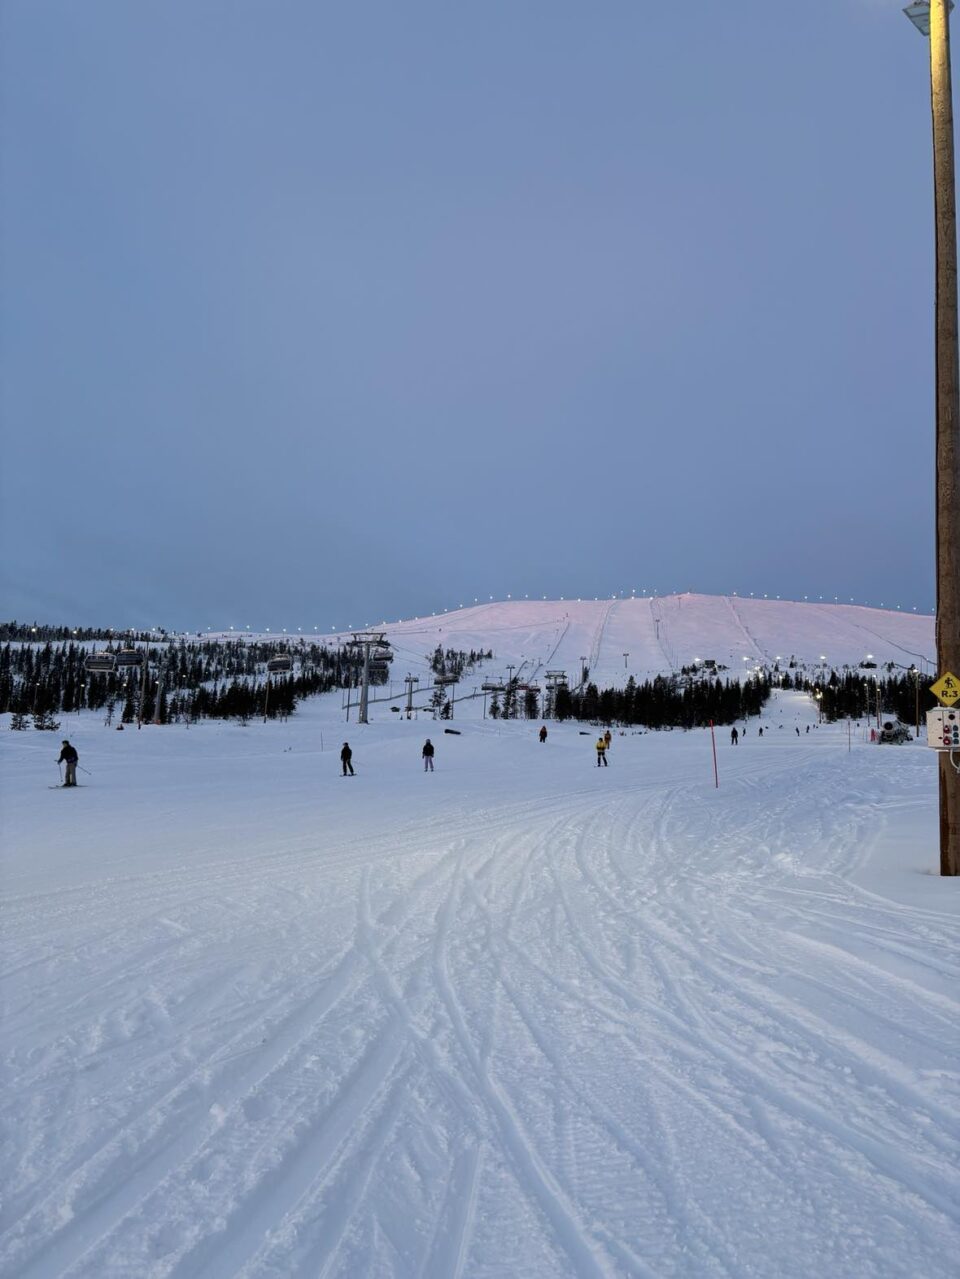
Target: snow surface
521, 1017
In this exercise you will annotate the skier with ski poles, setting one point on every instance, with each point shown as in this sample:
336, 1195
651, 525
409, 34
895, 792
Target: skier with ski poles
69, 756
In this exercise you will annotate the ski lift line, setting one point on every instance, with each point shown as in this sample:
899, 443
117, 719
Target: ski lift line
762, 653
657, 616
594, 657
421, 692
876, 634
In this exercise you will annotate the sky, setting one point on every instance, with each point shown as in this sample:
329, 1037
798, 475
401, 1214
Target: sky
316, 314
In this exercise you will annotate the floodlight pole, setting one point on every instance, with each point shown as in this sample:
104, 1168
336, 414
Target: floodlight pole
947, 399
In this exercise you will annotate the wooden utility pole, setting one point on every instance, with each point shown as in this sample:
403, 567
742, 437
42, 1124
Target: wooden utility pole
947, 410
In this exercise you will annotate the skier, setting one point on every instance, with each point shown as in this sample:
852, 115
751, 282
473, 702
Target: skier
602, 752
808, 728
734, 736
543, 733
346, 756
69, 756
798, 729
427, 754
760, 731
608, 738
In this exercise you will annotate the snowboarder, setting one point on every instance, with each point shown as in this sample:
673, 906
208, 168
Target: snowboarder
602, 752
543, 733
734, 736
69, 756
346, 757
427, 754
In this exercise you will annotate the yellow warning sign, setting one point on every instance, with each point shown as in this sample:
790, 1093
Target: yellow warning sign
947, 689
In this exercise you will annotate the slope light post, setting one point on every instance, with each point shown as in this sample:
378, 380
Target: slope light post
932, 18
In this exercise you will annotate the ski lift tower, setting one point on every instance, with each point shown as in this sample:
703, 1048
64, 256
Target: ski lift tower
443, 682
280, 665
132, 657
554, 680
411, 681
376, 658
495, 686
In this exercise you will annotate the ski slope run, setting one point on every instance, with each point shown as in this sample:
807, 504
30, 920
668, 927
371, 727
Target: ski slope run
521, 1017
645, 637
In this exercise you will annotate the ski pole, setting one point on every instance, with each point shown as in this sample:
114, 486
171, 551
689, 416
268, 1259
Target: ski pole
84, 770
60, 772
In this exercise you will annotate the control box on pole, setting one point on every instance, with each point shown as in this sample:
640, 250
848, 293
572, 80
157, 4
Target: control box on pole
943, 728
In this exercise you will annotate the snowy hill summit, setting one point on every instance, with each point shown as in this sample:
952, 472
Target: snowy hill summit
643, 637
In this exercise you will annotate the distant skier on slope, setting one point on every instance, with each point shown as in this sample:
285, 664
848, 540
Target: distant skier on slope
69, 756
734, 736
346, 759
543, 733
602, 752
608, 738
427, 754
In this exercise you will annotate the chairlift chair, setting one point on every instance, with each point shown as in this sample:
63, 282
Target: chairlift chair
99, 663
129, 657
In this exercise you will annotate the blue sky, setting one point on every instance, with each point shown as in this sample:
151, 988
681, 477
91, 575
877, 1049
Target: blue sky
314, 314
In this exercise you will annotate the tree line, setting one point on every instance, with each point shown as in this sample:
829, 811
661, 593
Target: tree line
667, 701
852, 696
187, 679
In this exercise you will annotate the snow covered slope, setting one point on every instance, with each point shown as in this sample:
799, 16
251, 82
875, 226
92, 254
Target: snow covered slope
521, 1017
664, 633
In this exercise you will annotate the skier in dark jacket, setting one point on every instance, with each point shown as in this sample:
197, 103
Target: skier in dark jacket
734, 736
69, 756
346, 755
543, 733
427, 754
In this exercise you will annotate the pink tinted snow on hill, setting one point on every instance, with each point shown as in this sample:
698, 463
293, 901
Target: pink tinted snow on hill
646, 636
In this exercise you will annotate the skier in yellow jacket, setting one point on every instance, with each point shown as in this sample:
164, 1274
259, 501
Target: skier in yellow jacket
602, 752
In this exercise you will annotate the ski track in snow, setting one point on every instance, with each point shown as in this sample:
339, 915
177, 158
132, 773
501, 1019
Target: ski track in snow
761, 653
624, 1025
